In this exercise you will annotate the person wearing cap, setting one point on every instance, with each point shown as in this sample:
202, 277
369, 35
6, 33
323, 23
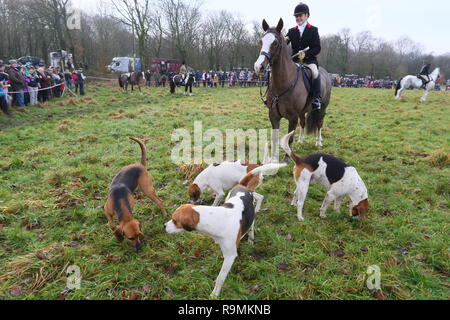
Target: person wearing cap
3, 89
304, 36
17, 83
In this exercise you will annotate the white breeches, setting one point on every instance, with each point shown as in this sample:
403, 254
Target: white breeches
314, 69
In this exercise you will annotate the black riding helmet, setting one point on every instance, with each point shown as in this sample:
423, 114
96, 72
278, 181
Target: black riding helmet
301, 8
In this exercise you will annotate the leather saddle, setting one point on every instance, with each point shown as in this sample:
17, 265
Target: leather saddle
307, 77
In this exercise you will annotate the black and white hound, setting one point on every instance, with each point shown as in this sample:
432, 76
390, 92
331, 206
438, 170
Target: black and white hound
337, 177
228, 224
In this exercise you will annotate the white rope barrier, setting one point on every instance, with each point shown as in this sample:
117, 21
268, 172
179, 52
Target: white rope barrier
42, 89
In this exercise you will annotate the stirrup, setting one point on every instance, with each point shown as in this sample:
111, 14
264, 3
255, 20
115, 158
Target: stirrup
316, 105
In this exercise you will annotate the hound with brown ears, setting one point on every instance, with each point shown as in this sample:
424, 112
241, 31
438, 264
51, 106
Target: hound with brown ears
337, 177
120, 200
228, 224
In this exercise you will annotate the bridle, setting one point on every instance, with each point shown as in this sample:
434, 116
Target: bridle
270, 58
278, 49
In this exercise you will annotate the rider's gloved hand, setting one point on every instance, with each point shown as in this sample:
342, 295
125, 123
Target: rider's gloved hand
301, 55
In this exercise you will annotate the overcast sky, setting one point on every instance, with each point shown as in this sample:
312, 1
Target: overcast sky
425, 22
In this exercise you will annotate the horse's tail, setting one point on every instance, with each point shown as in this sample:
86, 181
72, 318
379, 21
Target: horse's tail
312, 121
399, 85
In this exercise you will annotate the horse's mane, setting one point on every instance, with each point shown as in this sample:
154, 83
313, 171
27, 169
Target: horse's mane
436, 71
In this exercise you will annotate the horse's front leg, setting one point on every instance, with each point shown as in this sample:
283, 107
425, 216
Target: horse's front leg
275, 138
425, 95
302, 125
293, 123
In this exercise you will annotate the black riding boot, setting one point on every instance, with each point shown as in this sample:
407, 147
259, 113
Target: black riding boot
316, 94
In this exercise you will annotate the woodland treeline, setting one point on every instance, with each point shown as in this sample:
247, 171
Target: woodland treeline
181, 30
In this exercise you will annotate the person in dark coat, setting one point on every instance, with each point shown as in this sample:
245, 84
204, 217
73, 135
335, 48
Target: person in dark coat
148, 78
302, 36
80, 81
44, 80
17, 81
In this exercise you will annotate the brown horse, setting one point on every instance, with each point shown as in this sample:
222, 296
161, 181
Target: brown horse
287, 94
133, 79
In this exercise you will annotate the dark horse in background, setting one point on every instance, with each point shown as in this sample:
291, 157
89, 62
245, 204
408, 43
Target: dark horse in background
287, 94
176, 81
133, 79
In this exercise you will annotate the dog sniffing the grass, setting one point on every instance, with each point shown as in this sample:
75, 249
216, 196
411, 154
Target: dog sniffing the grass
221, 177
337, 177
228, 224
121, 200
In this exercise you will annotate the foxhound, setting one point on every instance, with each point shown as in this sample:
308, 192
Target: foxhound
337, 177
120, 199
228, 224
221, 177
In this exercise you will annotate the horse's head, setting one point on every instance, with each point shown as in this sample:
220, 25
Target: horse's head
271, 45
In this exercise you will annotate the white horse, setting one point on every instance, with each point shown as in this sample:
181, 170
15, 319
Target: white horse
414, 82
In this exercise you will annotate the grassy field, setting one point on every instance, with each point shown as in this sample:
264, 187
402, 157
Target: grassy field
57, 162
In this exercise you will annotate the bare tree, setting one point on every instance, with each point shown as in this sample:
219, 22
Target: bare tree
183, 22
137, 15
217, 35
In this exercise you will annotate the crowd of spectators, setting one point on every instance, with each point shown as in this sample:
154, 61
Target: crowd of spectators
210, 79
28, 85
354, 82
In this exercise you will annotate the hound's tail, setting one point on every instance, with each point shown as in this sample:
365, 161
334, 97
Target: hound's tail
287, 148
252, 179
267, 168
398, 87
143, 150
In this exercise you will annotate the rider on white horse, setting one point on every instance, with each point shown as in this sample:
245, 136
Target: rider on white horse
424, 74
424, 80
